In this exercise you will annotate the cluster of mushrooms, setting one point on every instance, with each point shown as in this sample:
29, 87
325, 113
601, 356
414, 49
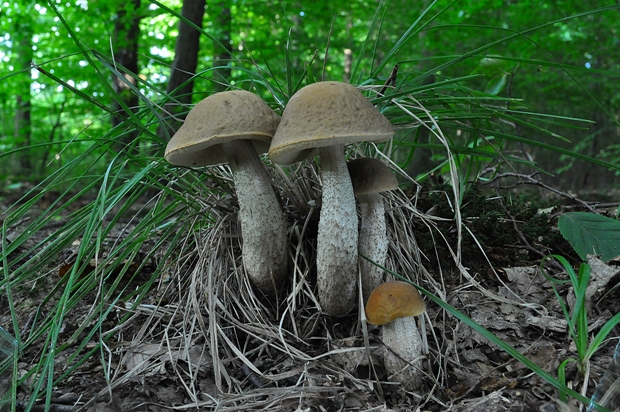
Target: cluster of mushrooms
236, 126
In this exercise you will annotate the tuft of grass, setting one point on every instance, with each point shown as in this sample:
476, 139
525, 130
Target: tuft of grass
587, 233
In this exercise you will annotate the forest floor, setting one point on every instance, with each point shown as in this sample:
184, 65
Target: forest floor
309, 362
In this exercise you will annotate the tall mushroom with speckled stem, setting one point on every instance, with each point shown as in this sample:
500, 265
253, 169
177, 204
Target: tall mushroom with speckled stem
233, 127
371, 177
394, 305
327, 116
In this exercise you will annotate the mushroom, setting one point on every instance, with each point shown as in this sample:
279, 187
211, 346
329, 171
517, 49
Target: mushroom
370, 177
233, 127
394, 305
327, 116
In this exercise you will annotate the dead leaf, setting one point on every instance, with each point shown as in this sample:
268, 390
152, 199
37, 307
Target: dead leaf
152, 357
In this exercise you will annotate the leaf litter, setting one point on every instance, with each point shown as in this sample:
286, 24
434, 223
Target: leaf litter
207, 340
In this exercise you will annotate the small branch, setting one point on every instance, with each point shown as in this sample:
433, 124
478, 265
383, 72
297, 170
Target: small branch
21, 406
529, 180
391, 81
520, 234
254, 380
516, 124
524, 241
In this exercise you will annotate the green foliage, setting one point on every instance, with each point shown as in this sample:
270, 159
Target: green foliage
497, 70
589, 233
452, 115
577, 318
119, 190
540, 61
8, 364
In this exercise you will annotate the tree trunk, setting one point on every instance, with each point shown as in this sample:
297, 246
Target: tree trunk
348, 65
126, 36
181, 86
223, 54
22, 37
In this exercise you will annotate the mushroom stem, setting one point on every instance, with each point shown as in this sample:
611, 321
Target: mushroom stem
336, 260
403, 353
373, 243
263, 228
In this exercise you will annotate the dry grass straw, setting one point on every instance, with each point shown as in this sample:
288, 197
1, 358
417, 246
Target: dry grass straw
283, 353
263, 354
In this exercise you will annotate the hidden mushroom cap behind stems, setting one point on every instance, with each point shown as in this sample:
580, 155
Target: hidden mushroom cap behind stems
370, 177
327, 116
233, 127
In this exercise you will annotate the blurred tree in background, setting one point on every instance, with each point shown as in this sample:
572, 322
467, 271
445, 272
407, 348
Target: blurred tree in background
72, 70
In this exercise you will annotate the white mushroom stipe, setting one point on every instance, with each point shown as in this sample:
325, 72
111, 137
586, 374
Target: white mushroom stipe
338, 235
370, 177
263, 228
373, 241
235, 126
403, 354
327, 116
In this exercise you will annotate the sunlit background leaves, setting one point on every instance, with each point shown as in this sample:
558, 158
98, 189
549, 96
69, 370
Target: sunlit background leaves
566, 68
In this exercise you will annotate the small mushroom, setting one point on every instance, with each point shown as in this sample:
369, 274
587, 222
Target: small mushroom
233, 127
370, 177
395, 305
327, 116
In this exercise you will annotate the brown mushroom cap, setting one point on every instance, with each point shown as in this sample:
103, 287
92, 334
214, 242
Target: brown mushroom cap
222, 118
393, 300
370, 175
326, 114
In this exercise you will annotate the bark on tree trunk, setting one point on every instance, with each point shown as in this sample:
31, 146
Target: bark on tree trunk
126, 36
348, 65
180, 87
23, 127
222, 56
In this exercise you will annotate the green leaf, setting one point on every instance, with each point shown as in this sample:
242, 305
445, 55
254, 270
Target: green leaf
496, 85
590, 233
493, 66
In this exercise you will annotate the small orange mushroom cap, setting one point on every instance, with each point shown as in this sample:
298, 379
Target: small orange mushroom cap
393, 300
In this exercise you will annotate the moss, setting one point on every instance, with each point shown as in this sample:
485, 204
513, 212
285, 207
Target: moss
506, 225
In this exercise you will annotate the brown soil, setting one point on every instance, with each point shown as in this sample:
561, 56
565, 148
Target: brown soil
162, 358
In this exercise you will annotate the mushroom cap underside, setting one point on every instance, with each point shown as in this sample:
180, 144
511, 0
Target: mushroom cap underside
370, 175
325, 114
222, 118
393, 300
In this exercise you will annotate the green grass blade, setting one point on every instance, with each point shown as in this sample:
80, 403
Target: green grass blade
496, 341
